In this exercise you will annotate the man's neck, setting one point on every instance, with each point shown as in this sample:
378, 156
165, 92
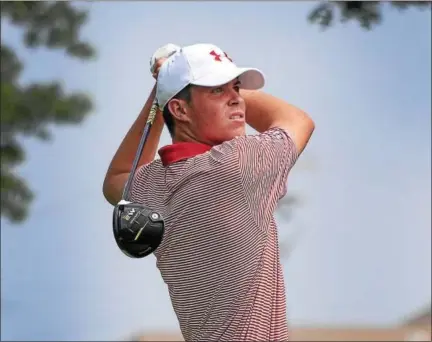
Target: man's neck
186, 137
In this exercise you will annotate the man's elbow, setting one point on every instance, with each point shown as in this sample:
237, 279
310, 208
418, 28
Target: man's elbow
304, 130
107, 192
301, 129
309, 125
113, 187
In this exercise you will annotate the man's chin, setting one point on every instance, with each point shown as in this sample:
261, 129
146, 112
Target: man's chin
236, 134
240, 130
232, 134
241, 134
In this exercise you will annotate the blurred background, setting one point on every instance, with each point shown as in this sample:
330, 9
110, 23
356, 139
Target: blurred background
355, 228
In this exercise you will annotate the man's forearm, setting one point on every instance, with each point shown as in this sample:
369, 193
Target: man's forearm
121, 163
263, 110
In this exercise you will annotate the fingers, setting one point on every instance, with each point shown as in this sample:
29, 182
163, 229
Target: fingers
160, 56
157, 66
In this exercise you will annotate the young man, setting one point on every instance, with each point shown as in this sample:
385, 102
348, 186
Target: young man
217, 190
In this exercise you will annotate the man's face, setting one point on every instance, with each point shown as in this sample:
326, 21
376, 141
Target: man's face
217, 114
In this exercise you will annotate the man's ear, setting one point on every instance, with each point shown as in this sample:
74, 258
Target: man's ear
179, 109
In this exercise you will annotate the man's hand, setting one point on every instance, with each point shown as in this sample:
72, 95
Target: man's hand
160, 56
157, 66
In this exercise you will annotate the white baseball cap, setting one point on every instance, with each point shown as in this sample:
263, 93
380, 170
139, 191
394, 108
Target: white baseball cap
202, 65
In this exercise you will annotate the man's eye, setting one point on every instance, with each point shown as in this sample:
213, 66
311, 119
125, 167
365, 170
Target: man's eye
217, 90
237, 88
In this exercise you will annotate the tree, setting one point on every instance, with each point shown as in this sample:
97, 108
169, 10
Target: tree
27, 110
367, 13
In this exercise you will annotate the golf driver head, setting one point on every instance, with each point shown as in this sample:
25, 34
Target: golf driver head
138, 230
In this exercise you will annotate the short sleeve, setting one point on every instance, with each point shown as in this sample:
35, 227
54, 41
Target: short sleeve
264, 161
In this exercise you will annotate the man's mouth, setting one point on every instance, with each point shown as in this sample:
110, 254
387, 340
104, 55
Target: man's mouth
237, 116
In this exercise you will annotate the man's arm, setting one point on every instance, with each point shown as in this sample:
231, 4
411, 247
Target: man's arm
121, 164
264, 111
264, 161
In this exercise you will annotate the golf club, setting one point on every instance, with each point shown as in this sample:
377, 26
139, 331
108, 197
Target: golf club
138, 229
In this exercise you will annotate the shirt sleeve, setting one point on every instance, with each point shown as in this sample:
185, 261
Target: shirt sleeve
138, 183
264, 161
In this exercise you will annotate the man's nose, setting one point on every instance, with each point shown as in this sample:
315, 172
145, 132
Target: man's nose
235, 98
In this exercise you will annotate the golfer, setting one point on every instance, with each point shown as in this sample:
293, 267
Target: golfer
217, 189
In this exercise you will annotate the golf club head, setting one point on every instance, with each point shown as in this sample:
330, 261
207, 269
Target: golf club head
138, 230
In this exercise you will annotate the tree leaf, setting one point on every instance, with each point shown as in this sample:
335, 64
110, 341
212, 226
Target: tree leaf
31, 110
15, 197
367, 14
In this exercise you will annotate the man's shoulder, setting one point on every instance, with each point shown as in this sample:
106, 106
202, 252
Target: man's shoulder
148, 170
233, 148
153, 165
274, 133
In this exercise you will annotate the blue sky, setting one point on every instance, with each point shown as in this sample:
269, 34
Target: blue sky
364, 227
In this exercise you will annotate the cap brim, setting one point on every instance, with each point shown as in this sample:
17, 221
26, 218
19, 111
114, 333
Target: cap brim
250, 78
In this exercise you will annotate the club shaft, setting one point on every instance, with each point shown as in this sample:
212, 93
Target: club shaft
138, 154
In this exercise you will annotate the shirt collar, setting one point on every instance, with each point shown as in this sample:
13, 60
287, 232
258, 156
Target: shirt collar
179, 151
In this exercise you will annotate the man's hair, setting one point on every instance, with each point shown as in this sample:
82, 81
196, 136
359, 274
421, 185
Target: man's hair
184, 94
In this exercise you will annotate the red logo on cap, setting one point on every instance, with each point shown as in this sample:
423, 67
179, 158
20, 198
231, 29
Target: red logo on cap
217, 57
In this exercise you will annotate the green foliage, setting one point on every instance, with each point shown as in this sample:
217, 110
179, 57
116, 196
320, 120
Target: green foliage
367, 13
29, 110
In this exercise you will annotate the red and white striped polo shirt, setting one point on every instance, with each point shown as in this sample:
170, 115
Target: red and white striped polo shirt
220, 256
